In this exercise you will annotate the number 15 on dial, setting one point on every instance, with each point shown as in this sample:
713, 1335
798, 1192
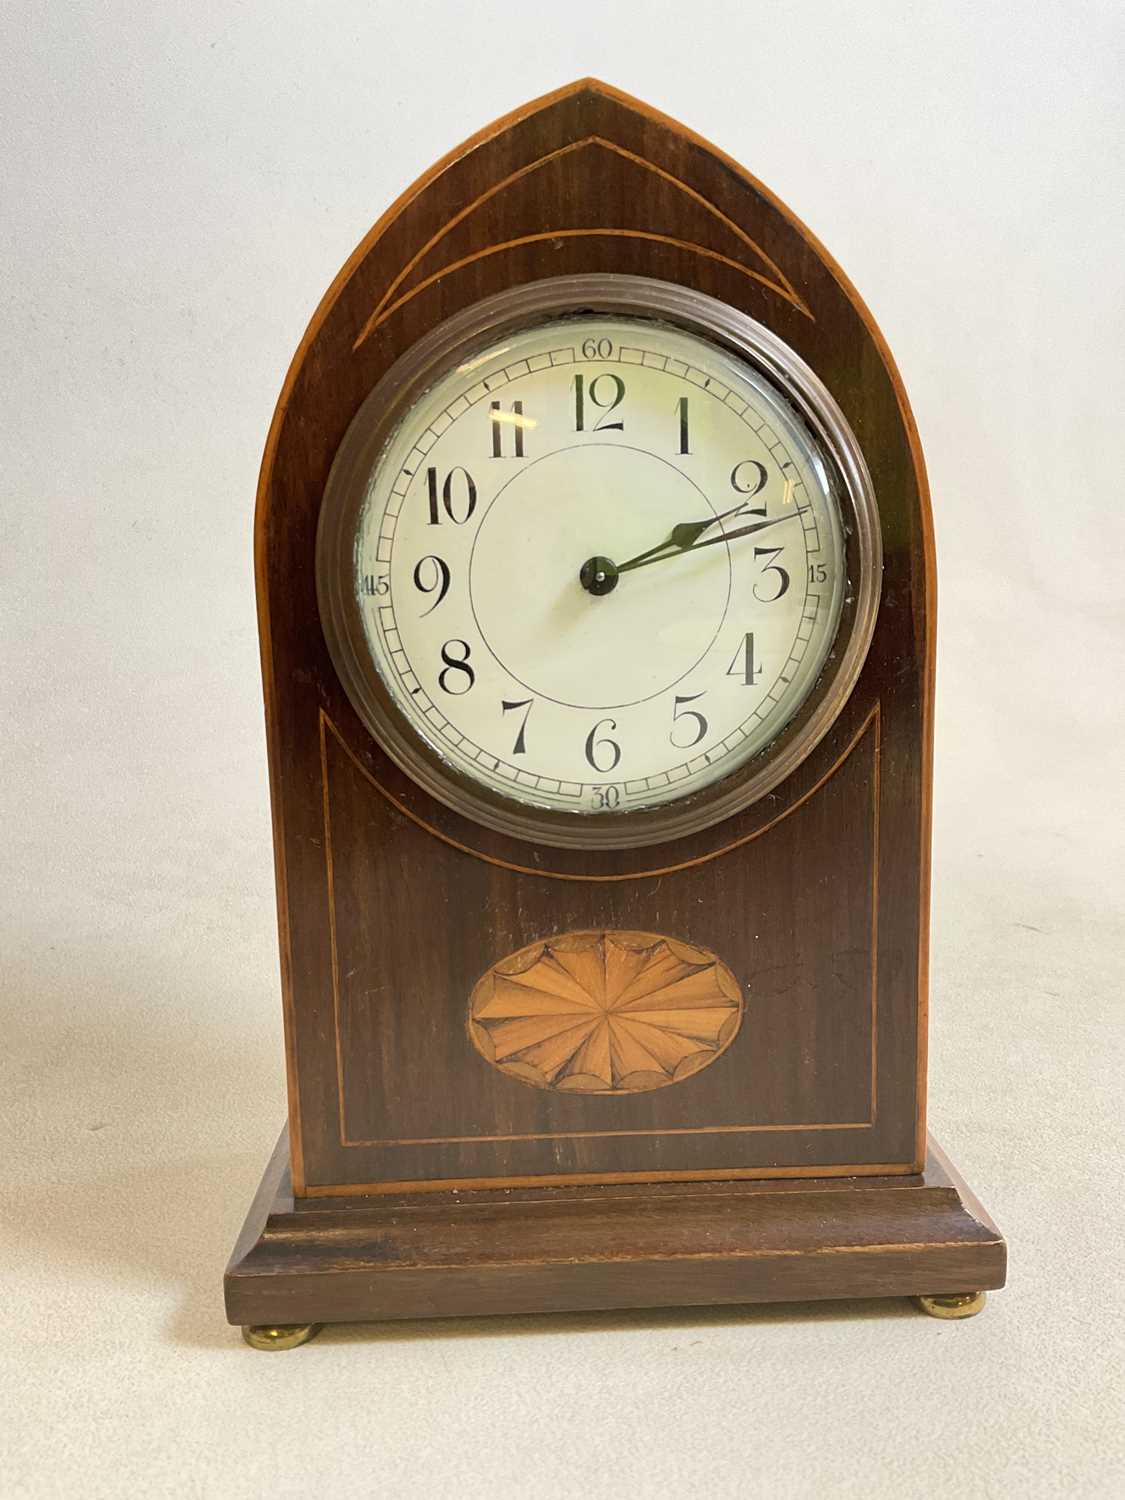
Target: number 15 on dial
599, 566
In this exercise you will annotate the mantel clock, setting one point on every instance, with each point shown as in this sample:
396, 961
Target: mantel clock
596, 595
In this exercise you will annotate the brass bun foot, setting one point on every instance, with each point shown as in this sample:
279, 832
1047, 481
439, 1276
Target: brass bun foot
279, 1335
953, 1304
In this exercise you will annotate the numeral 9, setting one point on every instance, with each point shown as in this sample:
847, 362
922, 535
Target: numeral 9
441, 576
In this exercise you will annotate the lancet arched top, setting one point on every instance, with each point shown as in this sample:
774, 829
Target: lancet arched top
582, 180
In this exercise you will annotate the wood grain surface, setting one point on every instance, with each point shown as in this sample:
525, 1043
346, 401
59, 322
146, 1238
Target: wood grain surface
561, 1250
392, 906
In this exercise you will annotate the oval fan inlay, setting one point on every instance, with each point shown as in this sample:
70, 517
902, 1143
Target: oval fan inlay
605, 1012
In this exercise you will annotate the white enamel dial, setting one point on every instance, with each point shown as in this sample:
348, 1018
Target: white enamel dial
501, 577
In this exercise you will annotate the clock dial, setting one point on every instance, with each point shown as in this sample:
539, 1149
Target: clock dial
599, 565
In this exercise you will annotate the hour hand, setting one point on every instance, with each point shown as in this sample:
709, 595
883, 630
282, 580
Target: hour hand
645, 560
687, 533
682, 536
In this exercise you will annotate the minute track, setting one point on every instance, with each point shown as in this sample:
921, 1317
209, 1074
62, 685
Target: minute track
737, 715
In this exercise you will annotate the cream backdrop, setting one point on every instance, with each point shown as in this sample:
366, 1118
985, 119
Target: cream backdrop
179, 184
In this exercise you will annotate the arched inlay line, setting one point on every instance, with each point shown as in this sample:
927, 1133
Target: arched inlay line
872, 721
571, 234
782, 285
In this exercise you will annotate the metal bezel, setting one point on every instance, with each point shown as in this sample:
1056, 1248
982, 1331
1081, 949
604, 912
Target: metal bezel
388, 405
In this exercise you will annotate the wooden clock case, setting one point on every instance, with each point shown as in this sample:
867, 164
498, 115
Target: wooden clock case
414, 1179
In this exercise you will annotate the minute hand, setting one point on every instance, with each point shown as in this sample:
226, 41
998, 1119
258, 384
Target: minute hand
711, 541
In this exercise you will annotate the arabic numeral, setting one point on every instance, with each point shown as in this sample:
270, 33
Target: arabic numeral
818, 572
682, 411
520, 747
749, 478
679, 714
513, 421
603, 746
605, 797
439, 574
772, 567
455, 494
606, 392
458, 664
744, 664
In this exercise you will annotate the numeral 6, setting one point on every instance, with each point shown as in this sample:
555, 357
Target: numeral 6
593, 744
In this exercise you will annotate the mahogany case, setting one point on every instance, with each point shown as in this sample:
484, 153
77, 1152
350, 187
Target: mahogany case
392, 906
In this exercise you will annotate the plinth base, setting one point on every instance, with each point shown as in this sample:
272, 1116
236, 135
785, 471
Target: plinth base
300, 1262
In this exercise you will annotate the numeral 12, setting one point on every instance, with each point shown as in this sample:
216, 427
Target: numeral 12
612, 393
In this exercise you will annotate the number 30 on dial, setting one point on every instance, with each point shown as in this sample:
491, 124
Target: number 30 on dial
598, 566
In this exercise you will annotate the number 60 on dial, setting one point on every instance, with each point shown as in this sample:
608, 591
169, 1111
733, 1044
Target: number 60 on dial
598, 562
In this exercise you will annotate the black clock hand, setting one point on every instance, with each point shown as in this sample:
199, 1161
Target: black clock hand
598, 575
682, 536
647, 559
